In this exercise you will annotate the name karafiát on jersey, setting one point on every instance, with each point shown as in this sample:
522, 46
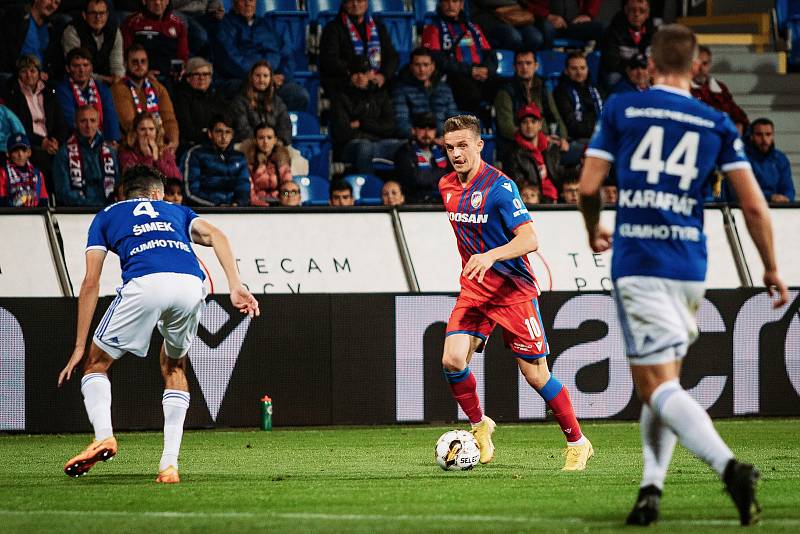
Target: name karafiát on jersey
649, 198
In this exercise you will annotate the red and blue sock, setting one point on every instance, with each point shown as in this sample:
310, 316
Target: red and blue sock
465, 391
557, 398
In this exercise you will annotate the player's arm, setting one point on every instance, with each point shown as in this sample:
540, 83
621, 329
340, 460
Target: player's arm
206, 234
524, 242
756, 214
87, 302
593, 174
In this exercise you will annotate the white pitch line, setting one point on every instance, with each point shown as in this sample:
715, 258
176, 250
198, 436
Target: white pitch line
383, 517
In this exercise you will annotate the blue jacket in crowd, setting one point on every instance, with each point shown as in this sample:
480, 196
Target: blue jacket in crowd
410, 97
773, 171
93, 194
241, 45
66, 100
214, 178
9, 125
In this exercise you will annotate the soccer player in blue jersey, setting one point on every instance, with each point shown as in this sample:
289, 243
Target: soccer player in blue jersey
494, 234
665, 145
162, 287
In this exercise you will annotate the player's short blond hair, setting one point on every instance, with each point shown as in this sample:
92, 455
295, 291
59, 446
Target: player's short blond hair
674, 48
463, 122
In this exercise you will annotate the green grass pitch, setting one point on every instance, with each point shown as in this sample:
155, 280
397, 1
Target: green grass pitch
383, 479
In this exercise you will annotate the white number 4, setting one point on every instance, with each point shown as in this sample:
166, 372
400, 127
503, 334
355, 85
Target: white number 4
682, 162
145, 208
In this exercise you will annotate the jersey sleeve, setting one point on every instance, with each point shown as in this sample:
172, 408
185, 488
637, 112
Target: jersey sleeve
189, 217
603, 144
97, 235
509, 204
731, 153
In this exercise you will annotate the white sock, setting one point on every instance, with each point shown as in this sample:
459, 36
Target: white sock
96, 391
680, 412
658, 442
175, 404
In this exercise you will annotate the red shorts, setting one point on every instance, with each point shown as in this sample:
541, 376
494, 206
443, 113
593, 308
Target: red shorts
522, 326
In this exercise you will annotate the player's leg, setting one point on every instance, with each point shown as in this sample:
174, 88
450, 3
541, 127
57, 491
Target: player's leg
175, 402
96, 390
467, 330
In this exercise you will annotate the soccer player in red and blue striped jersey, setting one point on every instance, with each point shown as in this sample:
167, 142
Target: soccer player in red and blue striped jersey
494, 233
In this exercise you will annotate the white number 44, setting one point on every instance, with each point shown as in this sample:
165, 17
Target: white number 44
145, 208
681, 162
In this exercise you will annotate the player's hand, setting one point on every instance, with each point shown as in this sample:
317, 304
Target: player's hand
776, 289
245, 302
600, 240
75, 359
477, 265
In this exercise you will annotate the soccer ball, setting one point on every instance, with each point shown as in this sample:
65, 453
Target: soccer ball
457, 450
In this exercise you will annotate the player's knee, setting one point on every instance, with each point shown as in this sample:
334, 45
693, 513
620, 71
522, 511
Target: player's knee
452, 361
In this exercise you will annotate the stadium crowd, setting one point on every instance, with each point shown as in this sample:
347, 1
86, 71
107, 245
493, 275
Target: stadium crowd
225, 100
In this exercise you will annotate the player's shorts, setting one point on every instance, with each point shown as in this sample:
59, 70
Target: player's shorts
522, 326
657, 316
173, 302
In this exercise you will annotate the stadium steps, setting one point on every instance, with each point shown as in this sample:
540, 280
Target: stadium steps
749, 83
742, 59
752, 29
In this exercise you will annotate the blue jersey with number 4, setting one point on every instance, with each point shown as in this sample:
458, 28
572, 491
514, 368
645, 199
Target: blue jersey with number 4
665, 146
149, 236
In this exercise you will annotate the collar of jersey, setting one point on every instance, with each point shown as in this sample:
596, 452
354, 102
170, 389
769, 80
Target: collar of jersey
675, 90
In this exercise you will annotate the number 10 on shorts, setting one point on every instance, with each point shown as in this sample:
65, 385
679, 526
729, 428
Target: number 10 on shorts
533, 327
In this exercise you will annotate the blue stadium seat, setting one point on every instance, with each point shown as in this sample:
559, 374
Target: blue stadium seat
314, 190
424, 11
505, 63
569, 44
320, 12
314, 146
366, 189
593, 62
489, 148
399, 22
287, 14
794, 34
310, 80
785, 10
550, 64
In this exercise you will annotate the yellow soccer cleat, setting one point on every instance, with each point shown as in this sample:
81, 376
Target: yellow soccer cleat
577, 456
168, 476
97, 451
483, 435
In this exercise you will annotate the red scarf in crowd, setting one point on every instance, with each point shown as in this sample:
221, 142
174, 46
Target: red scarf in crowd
536, 151
75, 159
24, 185
93, 100
151, 99
373, 40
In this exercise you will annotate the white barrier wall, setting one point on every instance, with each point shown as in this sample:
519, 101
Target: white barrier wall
278, 253
27, 267
786, 228
564, 261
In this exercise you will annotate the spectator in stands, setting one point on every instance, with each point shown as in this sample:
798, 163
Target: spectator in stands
258, 103
771, 166
392, 194
79, 89
567, 19
173, 191
421, 89
530, 193
570, 193
715, 93
162, 34
462, 53
144, 145
636, 76
527, 161
34, 102
269, 163
85, 170
421, 163
341, 194
216, 174
244, 40
578, 101
509, 24
27, 30
630, 33
98, 32
608, 191
21, 184
362, 121
9, 125
138, 92
289, 194
524, 88
195, 103
355, 33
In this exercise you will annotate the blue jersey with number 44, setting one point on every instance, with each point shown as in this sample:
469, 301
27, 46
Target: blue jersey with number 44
149, 236
665, 146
